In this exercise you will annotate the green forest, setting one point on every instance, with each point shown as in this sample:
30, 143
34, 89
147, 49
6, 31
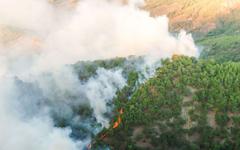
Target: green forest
188, 104
120, 75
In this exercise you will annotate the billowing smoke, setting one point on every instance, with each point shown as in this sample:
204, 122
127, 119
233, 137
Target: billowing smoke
43, 104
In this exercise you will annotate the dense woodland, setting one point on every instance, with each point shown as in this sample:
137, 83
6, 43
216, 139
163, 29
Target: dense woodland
188, 104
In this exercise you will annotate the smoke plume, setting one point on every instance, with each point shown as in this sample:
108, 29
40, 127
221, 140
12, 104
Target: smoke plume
41, 39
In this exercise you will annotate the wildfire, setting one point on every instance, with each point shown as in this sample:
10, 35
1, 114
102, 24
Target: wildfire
119, 120
115, 125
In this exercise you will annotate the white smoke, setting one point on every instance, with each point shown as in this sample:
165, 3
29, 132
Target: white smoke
36, 81
102, 89
22, 134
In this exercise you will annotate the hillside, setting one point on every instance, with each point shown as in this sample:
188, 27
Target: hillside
108, 75
222, 43
192, 15
188, 104
215, 24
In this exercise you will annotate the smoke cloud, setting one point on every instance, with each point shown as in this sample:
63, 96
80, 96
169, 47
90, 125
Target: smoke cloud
39, 40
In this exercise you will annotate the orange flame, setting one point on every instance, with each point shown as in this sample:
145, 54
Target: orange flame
119, 120
116, 124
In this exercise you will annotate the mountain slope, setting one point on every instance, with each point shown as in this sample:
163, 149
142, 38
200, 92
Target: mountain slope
222, 43
215, 24
189, 104
192, 15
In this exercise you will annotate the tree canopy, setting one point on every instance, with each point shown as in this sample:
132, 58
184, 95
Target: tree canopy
188, 104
